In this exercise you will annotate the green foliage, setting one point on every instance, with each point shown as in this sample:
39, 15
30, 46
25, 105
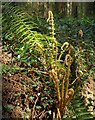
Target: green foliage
27, 45
8, 108
11, 69
76, 109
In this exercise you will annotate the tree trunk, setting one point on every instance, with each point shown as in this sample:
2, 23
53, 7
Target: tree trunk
74, 9
60, 8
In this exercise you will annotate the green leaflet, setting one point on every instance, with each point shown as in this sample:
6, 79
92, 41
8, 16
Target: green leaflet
29, 39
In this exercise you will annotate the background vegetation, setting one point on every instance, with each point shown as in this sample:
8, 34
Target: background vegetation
27, 91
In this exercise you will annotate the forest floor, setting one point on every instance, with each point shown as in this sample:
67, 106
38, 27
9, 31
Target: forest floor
20, 99
21, 93
15, 94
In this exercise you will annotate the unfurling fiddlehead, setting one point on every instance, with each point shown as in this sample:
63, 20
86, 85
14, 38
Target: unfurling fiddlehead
60, 74
54, 42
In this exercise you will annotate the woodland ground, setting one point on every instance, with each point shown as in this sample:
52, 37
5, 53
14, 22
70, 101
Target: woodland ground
26, 93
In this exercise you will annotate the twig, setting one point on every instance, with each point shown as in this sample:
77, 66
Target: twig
33, 110
74, 81
42, 114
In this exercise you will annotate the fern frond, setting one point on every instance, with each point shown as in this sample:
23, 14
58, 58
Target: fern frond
76, 109
18, 25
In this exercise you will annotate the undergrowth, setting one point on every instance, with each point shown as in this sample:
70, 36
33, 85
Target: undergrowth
37, 51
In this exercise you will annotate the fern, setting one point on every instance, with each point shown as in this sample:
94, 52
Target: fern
76, 109
15, 24
18, 24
